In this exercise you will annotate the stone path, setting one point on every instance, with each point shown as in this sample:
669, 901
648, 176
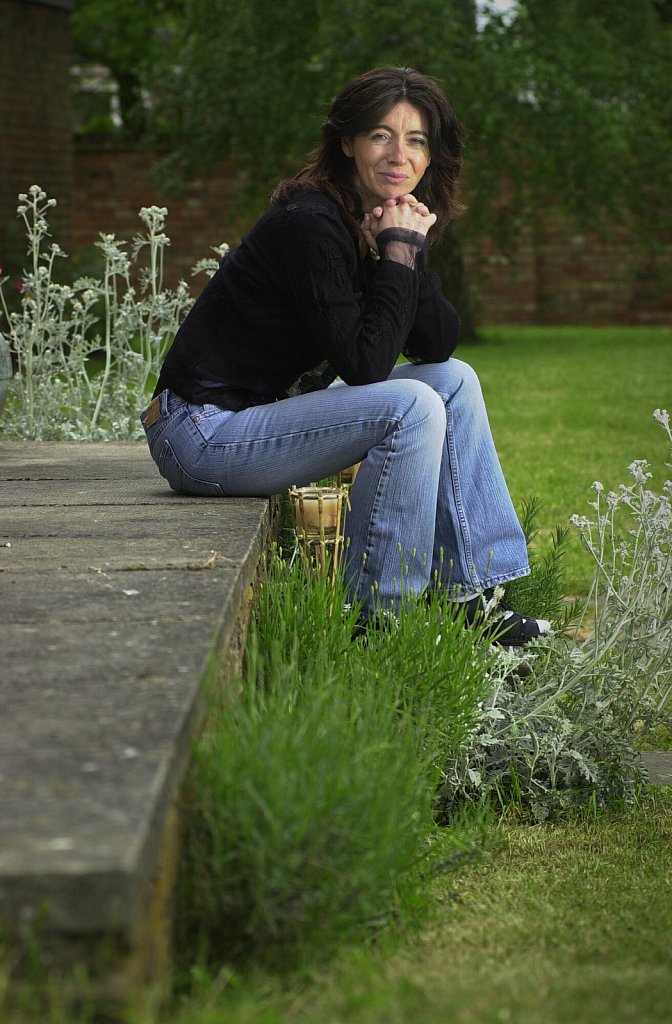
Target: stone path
117, 599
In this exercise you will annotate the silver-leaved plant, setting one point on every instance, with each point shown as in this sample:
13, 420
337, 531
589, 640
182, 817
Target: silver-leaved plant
564, 721
86, 355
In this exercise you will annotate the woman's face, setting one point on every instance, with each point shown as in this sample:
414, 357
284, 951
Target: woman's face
392, 157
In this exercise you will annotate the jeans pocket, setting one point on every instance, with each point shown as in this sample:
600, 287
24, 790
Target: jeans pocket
181, 481
154, 436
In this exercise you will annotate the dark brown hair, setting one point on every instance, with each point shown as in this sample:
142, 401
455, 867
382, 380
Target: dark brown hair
360, 106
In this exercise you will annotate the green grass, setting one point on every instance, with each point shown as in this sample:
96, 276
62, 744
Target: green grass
556, 925
564, 924
570, 405
560, 924
311, 797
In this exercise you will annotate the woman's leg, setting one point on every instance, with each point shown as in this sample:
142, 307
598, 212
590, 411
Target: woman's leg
396, 427
478, 540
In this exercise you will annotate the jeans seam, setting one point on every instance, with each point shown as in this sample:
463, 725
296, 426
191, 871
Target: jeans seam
459, 508
299, 434
376, 503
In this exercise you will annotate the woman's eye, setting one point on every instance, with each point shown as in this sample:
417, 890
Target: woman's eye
418, 142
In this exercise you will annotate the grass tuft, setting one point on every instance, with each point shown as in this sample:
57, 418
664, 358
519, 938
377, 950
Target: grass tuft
312, 790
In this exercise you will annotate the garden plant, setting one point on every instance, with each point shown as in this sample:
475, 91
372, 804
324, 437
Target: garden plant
87, 354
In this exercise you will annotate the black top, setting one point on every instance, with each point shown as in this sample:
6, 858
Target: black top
296, 305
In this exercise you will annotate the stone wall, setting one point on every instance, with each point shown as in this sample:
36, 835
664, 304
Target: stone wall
35, 114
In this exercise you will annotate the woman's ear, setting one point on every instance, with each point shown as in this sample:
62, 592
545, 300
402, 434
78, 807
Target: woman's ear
346, 145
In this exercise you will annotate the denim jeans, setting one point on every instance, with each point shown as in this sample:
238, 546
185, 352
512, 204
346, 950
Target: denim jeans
429, 505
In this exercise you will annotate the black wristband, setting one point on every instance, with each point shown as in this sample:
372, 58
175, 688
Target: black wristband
415, 246
405, 235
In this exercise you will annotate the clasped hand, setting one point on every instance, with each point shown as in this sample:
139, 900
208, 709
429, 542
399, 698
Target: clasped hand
405, 212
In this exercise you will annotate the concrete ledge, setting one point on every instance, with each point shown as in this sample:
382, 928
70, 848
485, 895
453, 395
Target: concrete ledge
118, 598
658, 764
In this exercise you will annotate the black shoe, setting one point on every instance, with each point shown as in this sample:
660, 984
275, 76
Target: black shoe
500, 623
375, 622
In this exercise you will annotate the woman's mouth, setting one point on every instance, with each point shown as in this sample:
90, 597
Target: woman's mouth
394, 179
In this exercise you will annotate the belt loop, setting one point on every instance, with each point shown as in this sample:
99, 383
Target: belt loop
163, 401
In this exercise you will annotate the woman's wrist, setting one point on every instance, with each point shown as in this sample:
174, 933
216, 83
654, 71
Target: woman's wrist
402, 245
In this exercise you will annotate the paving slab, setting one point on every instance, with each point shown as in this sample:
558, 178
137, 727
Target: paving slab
658, 764
117, 598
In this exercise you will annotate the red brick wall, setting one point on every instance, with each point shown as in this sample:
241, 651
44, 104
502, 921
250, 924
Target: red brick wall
35, 115
113, 182
561, 274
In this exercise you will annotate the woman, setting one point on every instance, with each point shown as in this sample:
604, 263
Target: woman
332, 283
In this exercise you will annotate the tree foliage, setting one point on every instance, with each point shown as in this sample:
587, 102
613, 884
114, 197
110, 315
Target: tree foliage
562, 99
577, 111
565, 102
124, 36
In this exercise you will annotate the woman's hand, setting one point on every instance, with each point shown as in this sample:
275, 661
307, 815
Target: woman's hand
405, 212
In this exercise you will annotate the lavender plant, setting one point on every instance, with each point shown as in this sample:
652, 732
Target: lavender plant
562, 724
63, 332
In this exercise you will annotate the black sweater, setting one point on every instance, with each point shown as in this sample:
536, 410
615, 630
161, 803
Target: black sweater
296, 305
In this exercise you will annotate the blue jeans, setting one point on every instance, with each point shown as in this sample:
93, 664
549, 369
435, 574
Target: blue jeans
429, 505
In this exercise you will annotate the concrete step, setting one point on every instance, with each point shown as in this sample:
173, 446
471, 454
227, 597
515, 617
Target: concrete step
118, 600
658, 764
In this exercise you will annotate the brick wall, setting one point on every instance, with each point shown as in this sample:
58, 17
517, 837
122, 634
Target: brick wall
559, 275
35, 115
565, 275
112, 182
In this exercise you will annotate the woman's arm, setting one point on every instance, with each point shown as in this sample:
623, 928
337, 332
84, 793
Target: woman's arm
360, 332
436, 330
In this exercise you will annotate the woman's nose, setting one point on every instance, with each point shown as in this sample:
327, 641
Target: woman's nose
398, 153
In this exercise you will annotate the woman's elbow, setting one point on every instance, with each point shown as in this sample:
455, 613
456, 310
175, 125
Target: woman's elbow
362, 375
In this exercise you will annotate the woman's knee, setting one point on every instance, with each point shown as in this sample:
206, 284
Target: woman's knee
447, 378
458, 380
469, 376
420, 401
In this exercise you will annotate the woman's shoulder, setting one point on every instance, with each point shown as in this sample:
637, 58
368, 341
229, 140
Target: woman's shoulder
308, 200
304, 218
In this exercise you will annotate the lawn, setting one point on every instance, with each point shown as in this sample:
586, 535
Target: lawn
561, 922
566, 924
571, 405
